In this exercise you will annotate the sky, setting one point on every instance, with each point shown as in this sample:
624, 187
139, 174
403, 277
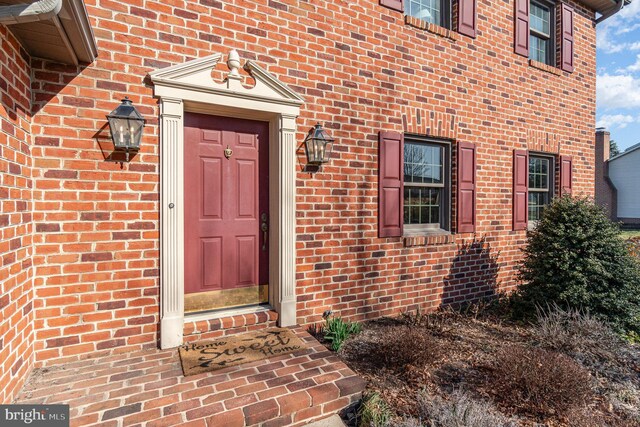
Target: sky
618, 78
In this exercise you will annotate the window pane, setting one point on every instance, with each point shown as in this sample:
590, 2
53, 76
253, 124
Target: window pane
539, 186
538, 173
422, 205
538, 49
539, 19
423, 163
537, 202
427, 10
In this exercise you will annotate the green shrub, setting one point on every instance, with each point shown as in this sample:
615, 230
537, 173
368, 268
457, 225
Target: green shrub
336, 331
576, 258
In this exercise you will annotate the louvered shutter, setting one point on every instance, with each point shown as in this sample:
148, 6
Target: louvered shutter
520, 189
391, 178
566, 46
393, 4
467, 17
522, 27
566, 175
466, 194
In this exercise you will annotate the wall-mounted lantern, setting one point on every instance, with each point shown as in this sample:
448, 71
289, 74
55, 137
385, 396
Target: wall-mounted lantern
318, 145
126, 124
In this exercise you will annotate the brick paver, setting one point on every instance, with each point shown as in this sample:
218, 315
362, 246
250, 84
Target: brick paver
146, 388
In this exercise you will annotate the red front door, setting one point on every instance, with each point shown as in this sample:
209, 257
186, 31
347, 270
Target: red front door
226, 203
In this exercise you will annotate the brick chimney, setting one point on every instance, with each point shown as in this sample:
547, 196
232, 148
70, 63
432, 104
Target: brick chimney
605, 191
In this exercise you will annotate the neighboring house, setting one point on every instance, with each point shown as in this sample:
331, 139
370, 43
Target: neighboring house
617, 181
455, 122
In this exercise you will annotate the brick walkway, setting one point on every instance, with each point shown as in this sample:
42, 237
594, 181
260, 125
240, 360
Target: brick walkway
146, 388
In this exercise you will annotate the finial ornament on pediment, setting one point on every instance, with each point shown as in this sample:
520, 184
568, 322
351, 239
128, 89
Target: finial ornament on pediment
233, 62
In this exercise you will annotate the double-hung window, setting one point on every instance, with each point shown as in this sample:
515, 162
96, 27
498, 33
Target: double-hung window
437, 12
534, 184
426, 185
415, 191
541, 32
541, 185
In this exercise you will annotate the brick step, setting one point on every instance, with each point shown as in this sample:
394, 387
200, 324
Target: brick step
296, 390
228, 325
147, 389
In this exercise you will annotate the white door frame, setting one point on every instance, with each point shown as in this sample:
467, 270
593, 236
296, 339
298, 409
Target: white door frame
189, 87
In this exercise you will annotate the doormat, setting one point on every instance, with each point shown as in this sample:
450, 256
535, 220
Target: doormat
204, 356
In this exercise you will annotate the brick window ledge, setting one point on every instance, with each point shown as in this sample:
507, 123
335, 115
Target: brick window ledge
432, 28
426, 240
545, 67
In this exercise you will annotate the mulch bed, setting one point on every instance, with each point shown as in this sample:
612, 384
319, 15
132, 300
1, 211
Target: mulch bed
461, 350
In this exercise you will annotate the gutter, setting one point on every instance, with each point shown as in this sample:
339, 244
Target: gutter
41, 10
609, 13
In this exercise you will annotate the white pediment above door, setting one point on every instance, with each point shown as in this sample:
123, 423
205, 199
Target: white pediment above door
196, 75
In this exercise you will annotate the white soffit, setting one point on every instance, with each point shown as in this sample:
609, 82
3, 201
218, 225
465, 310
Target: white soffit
65, 36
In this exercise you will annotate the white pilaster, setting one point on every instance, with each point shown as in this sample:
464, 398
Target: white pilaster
287, 221
172, 222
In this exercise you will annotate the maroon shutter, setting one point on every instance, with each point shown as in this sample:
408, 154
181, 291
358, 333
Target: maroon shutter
520, 189
466, 209
391, 179
393, 4
467, 17
522, 28
566, 174
566, 46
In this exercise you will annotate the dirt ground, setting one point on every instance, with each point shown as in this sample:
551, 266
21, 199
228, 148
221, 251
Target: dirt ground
440, 354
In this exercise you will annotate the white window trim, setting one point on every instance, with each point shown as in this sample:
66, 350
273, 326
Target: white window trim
551, 181
414, 230
551, 37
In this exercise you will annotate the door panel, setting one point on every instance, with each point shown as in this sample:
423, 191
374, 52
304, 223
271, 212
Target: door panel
246, 195
224, 201
247, 267
211, 172
211, 270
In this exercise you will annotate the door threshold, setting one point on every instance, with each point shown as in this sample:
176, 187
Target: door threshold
217, 314
226, 299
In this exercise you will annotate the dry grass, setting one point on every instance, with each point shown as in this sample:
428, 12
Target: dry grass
459, 410
630, 234
578, 334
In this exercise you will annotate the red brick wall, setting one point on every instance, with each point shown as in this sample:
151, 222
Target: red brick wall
359, 67
16, 273
96, 220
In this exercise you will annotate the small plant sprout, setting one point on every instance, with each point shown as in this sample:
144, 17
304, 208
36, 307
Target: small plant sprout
336, 331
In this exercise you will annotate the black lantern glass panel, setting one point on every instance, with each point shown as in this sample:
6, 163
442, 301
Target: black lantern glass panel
126, 124
318, 145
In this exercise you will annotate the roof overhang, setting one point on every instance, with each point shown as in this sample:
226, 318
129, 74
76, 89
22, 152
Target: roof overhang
603, 7
61, 33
